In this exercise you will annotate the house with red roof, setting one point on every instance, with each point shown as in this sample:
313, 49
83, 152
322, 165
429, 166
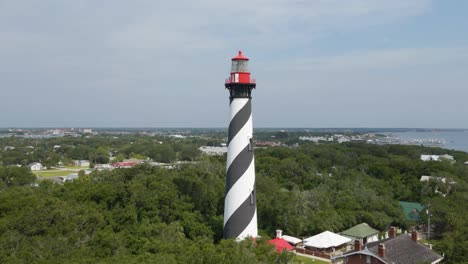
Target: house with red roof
280, 243
124, 164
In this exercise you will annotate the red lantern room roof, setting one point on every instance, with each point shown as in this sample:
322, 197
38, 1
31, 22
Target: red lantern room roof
240, 56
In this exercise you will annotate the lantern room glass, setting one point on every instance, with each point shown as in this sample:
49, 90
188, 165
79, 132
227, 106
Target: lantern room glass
239, 66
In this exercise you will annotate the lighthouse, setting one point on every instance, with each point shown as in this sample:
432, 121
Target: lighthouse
240, 209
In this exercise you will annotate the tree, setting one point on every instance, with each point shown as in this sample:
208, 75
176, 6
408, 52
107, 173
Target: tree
16, 176
189, 152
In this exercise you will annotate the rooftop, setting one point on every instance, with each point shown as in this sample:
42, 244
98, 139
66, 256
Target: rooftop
291, 239
326, 239
411, 210
402, 249
360, 231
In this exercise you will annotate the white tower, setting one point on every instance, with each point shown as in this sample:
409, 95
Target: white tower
240, 210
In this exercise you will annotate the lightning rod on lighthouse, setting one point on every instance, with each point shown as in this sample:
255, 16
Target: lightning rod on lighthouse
240, 209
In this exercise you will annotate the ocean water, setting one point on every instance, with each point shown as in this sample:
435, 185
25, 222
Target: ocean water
457, 140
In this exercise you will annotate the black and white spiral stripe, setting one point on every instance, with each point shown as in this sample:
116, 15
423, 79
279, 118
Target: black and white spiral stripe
240, 211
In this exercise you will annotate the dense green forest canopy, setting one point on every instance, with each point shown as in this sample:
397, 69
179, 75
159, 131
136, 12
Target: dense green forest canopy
155, 215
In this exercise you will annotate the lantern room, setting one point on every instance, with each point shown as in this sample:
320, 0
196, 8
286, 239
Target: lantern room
239, 70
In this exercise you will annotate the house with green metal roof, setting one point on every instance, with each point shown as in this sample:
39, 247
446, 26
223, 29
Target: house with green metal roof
412, 210
363, 232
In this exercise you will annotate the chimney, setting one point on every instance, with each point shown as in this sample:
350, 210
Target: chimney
392, 232
414, 235
382, 251
357, 245
279, 234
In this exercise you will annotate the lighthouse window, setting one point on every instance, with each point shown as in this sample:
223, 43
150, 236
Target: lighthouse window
235, 66
243, 66
239, 66
250, 144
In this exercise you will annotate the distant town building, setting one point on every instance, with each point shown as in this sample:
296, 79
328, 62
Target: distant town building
336, 138
6, 148
82, 163
437, 157
267, 144
177, 136
87, 131
125, 164
161, 164
101, 167
441, 182
137, 161
313, 139
36, 166
447, 157
62, 179
343, 139
57, 132
429, 157
70, 177
466, 163
214, 151
425, 178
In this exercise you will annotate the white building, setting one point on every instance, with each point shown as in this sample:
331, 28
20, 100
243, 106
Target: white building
292, 240
326, 240
82, 163
437, 157
101, 167
363, 232
36, 166
313, 139
425, 178
214, 151
343, 139
177, 136
447, 157
70, 177
444, 192
429, 157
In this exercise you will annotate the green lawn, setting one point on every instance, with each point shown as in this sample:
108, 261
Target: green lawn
305, 260
52, 173
75, 167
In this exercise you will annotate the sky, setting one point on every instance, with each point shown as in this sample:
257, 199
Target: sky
318, 63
